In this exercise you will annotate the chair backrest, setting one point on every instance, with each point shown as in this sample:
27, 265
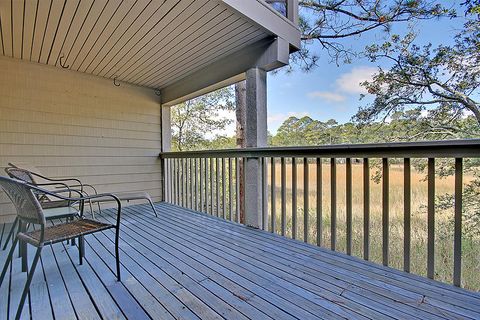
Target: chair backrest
20, 174
26, 203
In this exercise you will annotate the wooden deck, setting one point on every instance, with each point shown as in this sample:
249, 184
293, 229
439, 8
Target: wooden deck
185, 265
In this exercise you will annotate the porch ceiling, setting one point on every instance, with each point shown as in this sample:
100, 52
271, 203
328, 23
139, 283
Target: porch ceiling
148, 43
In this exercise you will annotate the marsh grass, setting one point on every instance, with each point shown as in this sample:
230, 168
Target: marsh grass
443, 219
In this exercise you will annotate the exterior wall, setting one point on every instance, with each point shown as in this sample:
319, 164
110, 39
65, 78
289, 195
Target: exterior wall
71, 124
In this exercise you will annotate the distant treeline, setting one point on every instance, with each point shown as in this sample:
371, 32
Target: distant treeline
400, 127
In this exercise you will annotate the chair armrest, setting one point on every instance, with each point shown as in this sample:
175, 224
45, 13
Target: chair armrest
82, 197
58, 184
58, 179
82, 186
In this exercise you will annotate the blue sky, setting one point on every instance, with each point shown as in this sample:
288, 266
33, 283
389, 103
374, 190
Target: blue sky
332, 92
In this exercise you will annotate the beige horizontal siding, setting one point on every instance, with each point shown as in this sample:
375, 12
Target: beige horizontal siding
71, 124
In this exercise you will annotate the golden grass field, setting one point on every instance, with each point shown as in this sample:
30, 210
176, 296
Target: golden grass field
443, 223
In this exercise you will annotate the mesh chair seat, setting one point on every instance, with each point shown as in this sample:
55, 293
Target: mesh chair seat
64, 231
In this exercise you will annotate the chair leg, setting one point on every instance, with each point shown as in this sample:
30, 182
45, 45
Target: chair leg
22, 248
73, 239
99, 209
26, 289
24, 256
81, 249
19, 246
9, 259
117, 257
153, 207
10, 234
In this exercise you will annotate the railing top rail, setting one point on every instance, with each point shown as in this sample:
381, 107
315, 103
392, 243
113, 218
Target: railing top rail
429, 149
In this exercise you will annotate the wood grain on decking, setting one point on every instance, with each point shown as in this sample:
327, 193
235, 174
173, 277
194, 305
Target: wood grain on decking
186, 265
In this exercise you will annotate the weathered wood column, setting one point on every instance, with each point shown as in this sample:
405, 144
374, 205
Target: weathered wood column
166, 124
166, 135
255, 136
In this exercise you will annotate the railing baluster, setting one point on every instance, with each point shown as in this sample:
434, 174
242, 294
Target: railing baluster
457, 242
431, 219
224, 192
217, 186
201, 183
305, 200
174, 180
164, 168
244, 191
237, 188
230, 189
348, 194
273, 198
195, 166
333, 201
188, 180
172, 172
366, 209
182, 178
177, 176
167, 181
211, 185
319, 203
294, 198
284, 196
166, 175
206, 179
181, 193
207, 185
186, 185
198, 188
192, 184
407, 191
385, 211
264, 194
185, 179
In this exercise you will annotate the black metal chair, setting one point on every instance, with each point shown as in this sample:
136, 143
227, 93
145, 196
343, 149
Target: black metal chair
35, 176
25, 198
52, 209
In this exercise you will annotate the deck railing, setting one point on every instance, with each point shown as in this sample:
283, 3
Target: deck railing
208, 181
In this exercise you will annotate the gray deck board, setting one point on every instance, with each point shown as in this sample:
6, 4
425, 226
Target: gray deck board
391, 279
243, 267
349, 282
84, 306
186, 265
304, 278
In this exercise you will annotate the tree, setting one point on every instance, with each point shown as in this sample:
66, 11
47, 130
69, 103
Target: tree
444, 81
333, 23
192, 120
473, 6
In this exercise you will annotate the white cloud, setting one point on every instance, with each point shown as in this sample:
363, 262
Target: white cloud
327, 95
350, 82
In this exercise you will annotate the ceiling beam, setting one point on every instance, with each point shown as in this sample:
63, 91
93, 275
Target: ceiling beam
265, 16
268, 54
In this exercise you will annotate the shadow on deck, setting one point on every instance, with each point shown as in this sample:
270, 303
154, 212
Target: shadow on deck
184, 265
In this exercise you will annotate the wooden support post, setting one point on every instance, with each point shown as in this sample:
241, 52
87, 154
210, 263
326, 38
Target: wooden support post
255, 136
292, 11
166, 144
